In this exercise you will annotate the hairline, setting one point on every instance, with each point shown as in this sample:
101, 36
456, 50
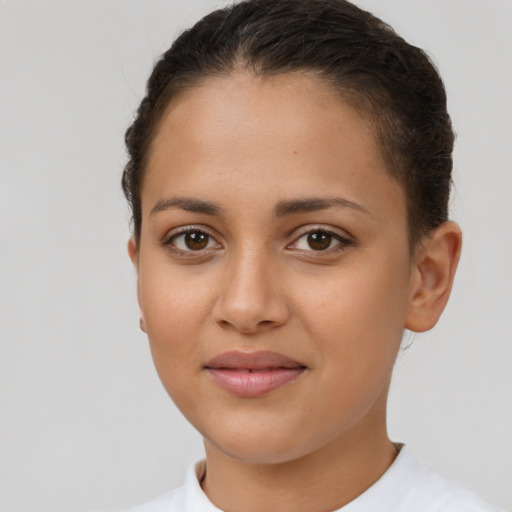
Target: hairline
361, 103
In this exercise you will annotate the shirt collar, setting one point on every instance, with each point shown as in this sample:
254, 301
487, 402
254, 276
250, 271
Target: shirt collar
389, 492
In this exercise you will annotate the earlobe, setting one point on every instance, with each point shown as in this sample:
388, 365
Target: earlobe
133, 253
434, 269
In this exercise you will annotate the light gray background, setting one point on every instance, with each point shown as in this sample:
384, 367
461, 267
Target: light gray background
84, 422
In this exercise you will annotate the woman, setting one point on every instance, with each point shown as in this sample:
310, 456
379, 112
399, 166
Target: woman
289, 179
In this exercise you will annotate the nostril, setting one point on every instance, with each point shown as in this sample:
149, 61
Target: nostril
250, 310
247, 327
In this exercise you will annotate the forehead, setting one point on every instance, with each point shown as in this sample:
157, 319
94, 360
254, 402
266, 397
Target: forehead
288, 133
241, 106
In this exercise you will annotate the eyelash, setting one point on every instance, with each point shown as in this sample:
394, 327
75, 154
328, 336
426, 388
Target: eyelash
343, 242
170, 240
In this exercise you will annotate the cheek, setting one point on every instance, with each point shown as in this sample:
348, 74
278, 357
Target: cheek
176, 310
357, 316
174, 301
356, 329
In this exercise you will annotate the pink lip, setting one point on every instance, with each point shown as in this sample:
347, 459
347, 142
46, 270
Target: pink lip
253, 374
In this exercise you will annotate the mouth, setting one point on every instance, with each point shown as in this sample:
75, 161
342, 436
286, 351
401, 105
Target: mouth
253, 374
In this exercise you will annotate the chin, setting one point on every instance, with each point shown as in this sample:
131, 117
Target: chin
277, 447
259, 454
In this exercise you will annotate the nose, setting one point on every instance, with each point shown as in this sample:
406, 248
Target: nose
250, 298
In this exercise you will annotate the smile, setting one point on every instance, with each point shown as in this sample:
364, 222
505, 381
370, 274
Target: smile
251, 375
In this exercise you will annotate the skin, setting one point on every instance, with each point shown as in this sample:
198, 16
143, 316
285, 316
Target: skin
247, 144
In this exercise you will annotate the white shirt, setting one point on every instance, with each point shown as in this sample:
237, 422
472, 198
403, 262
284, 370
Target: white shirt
407, 486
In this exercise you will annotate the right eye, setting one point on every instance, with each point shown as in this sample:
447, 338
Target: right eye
191, 240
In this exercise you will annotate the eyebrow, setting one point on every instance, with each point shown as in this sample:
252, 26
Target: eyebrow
313, 204
282, 208
188, 204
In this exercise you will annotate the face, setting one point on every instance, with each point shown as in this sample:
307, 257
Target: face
273, 265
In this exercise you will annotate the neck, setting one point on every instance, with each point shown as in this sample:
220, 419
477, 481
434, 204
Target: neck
325, 480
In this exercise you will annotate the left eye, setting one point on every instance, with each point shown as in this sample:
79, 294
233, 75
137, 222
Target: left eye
193, 240
319, 240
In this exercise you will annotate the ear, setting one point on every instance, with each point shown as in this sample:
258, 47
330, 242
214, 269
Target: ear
133, 253
434, 264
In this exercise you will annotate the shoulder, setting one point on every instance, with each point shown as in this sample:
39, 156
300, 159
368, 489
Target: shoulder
411, 485
408, 485
439, 495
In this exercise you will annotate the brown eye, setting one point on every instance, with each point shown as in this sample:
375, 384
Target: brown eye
319, 240
196, 240
193, 240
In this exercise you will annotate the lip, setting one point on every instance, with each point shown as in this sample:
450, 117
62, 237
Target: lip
253, 374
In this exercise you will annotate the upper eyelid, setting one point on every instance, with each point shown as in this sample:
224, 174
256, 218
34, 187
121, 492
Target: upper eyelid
168, 242
181, 230
304, 230
296, 233
345, 241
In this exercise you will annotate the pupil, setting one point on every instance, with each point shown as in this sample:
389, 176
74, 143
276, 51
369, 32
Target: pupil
319, 240
196, 240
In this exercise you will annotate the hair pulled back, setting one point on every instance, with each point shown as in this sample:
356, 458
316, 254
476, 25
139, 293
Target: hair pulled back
368, 64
